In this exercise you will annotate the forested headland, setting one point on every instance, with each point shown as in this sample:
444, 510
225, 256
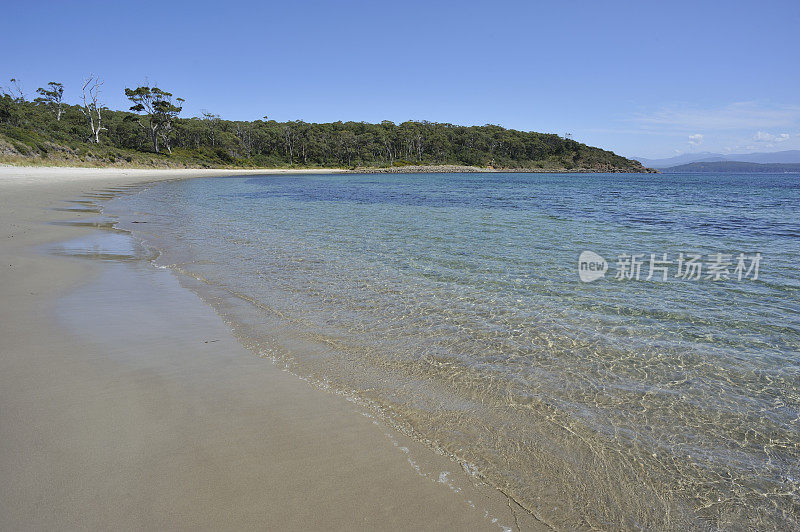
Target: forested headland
151, 133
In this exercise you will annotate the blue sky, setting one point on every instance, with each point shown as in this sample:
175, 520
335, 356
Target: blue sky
641, 78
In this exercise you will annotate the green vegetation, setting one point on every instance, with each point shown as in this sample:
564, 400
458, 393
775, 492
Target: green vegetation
48, 131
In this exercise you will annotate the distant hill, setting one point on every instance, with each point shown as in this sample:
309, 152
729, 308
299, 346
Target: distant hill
779, 157
39, 132
734, 167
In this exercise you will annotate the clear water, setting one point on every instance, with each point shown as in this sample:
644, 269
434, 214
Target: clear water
452, 304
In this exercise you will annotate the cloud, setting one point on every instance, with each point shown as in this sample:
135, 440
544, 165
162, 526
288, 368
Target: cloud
740, 115
696, 139
763, 136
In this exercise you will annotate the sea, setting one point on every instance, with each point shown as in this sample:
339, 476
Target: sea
612, 351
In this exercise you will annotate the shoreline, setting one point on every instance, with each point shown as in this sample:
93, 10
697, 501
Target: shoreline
409, 169
127, 401
453, 169
109, 176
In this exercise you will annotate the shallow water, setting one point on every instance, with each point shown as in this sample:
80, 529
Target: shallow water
104, 245
452, 305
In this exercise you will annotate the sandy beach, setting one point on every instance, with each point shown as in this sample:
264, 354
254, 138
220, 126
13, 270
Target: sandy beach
126, 402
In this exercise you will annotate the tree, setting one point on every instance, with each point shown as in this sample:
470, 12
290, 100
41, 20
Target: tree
159, 112
52, 97
289, 136
213, 121
244, 132
15, 90
385, 137
210, 140
91, 106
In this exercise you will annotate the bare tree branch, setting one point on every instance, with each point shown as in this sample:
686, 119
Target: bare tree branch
91, 106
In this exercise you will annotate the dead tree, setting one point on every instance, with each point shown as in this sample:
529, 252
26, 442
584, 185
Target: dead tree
16, 90
91, 107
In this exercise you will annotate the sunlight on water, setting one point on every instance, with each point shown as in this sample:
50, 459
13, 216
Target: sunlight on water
452, 303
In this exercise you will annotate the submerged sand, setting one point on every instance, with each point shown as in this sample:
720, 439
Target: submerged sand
126, 402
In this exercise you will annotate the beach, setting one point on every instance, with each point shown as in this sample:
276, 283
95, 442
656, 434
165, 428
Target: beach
264, 281
127, 403
276, 349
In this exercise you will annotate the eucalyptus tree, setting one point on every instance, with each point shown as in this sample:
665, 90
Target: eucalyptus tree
289, 137
157, 112
15, 90
51, 97
91, 106
213, 121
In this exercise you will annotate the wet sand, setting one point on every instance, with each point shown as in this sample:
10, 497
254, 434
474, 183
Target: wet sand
126, 402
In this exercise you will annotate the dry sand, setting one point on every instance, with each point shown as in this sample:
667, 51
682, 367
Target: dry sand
126, 403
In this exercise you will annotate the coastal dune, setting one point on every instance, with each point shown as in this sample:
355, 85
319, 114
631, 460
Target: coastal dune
126, 402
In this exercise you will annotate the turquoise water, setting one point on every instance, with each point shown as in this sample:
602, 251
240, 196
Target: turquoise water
451, 304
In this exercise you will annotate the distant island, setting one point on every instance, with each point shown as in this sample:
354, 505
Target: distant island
777, 157
735, 167
48, 131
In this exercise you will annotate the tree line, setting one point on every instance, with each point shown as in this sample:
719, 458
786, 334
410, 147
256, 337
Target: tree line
152, 126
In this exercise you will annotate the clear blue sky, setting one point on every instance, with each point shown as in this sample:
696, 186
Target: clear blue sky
641, 78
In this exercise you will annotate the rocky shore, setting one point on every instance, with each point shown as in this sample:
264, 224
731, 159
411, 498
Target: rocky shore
447, 168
